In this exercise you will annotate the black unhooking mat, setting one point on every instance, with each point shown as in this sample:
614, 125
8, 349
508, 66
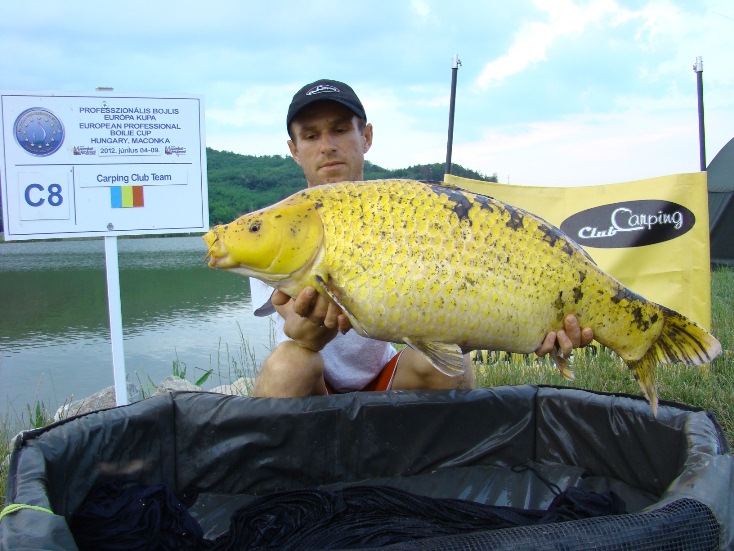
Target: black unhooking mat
134, 516
214, 455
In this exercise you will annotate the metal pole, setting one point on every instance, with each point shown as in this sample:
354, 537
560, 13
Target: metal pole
454, 71
698, 68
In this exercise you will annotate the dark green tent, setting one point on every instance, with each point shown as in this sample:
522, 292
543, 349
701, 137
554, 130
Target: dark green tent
721, 205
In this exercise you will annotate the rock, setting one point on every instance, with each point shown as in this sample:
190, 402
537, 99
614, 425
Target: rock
101, 399
241, 387
173, 383
105, 398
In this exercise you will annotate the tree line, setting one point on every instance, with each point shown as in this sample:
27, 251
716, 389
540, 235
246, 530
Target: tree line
243, 183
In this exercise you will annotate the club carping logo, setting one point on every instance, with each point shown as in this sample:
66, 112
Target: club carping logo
629, 224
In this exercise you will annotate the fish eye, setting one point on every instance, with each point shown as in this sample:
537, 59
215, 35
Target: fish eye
255, 226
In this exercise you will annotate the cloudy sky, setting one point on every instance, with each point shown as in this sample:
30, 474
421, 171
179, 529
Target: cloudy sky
550, 92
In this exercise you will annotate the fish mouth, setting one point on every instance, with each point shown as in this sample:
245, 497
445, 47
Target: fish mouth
217, 252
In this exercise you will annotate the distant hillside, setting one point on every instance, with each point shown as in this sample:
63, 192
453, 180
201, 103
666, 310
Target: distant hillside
243, 183
427, 173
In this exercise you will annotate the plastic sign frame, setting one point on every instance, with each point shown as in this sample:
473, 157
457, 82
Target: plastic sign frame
102, 164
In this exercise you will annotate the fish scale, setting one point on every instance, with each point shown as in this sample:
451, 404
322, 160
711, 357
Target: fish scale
391, 259
452, 266
448, 271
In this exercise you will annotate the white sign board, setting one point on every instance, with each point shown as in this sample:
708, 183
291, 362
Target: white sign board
102, 164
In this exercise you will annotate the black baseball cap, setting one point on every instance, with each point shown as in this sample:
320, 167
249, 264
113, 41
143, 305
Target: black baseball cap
325, 90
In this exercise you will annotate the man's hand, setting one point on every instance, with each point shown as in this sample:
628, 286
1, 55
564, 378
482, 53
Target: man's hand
568, 338
310, 320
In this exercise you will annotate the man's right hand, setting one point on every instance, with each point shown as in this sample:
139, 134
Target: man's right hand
311, 321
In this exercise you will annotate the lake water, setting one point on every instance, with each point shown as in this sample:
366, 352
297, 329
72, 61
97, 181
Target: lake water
54, 324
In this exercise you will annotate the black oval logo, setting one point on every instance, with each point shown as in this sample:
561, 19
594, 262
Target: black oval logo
629, 224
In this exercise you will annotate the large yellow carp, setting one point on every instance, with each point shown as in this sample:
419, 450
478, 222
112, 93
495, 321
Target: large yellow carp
447, 271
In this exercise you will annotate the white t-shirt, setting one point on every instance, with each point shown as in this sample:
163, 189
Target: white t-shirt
351, 361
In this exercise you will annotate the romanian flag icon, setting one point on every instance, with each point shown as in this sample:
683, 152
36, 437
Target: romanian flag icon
126, 196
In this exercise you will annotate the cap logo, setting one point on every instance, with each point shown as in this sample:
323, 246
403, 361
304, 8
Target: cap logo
321, 88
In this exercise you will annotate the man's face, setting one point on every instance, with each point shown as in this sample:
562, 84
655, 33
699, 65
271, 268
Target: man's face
328, 143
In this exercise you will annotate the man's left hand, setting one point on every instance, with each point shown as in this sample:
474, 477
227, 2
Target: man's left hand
568, 338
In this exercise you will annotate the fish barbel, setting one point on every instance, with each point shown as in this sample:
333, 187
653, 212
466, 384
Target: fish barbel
447, 271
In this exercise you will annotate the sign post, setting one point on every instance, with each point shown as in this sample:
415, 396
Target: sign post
102, 165
115, 313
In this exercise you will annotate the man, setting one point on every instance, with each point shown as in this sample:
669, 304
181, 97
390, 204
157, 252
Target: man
316, 353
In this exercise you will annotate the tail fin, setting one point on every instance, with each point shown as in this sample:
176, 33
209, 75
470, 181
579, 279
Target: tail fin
682, 340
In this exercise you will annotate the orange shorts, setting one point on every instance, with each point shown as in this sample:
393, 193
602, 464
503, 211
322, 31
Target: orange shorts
384, 379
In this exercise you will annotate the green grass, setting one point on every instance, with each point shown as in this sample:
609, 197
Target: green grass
710, 387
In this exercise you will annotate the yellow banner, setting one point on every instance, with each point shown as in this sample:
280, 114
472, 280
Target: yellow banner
652, 235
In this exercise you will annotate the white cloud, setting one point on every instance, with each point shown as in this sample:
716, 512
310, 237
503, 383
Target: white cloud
592, 149
257, 105
421, 8
618, 72
533, 40
648, 125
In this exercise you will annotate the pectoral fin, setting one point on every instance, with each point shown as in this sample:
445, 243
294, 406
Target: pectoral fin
563, 365
447, 358
321, 287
